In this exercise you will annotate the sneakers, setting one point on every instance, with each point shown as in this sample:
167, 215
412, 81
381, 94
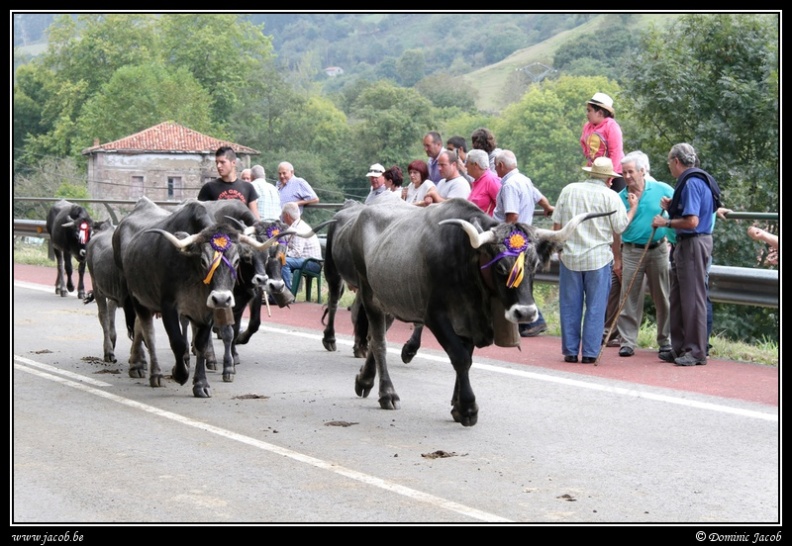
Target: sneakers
626, 351
570, 358
689, 360
588, 359
665, 349
533, 330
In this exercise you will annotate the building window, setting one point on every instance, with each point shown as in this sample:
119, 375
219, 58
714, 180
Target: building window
136, 188
175, 188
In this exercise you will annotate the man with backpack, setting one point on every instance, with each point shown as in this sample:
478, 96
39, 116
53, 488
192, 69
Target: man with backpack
691, 215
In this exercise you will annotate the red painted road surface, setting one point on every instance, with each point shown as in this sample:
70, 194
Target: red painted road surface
725, 378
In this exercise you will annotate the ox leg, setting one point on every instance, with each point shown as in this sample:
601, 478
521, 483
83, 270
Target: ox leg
255, 320
360, 325
137, 355
146, 324
60, 285
376, 363
410, 349
107, 312
229, 370
81, 280
203, 337
335, 288
179, 346
460, 350
67, 267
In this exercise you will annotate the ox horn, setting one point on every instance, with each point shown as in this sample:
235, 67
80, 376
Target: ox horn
566, 232
68, 224
242, 227
181, 244
476, 239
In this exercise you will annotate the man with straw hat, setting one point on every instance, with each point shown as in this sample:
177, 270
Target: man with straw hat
587, 259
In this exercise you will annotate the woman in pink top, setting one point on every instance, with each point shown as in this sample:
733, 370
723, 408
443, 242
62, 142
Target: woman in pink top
486, 184
602, 135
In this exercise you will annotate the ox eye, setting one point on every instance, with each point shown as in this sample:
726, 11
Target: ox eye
502, 268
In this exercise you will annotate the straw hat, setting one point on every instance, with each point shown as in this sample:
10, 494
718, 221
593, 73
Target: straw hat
602, 100
602, 168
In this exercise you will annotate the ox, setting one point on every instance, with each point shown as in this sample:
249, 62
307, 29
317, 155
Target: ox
460, 273
110, 293
259, 271
69, 227
192, 276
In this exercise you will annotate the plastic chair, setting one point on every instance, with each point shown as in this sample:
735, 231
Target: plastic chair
300, 272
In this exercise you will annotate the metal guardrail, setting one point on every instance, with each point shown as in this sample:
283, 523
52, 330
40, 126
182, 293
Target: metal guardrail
737, 285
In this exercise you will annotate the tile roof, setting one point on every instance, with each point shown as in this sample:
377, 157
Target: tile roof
168, 137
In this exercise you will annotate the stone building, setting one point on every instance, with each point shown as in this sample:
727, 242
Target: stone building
167, 162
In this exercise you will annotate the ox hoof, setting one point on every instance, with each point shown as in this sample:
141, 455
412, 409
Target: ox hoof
242, 339
110, 357
408, 353
360, 352
363, 388
202, 390
329, 344
155, 381
468, 419
211, 365
70, 287
390, 401
137, 372
180, 376
63, 293
229, 377
81, 294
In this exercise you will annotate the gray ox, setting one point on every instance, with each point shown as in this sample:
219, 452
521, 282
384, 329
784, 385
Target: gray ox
110, 292
69, 227
193, 276
459, 273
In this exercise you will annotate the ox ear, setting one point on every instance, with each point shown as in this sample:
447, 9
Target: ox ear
566, 232
476, 237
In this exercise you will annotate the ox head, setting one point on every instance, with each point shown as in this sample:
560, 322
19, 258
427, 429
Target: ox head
510, 254
275, 259
79, 228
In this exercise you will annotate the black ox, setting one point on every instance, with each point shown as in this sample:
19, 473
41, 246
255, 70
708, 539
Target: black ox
69, 227
450, 267
180, 264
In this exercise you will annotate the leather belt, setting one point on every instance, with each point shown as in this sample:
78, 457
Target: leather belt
681, 236
651, 246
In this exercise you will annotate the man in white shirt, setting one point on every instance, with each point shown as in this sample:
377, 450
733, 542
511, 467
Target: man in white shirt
269, 206
453, 184
299, 248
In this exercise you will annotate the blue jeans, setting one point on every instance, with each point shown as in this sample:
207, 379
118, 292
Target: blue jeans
576, 289
294, 263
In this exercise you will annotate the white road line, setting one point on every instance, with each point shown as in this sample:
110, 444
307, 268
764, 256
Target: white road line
633, 393
438, 502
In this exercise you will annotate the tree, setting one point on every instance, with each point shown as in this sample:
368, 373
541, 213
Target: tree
712, 81
410, 67
137, 97
224, 53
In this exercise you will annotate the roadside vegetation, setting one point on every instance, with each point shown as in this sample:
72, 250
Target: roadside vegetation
764, 352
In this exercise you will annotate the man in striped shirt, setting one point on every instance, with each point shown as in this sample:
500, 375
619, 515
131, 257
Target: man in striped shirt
587, 258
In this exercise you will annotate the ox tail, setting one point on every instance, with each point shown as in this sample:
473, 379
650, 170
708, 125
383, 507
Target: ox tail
89, 298
129, 317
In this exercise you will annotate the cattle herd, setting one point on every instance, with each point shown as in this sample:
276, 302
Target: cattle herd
448, 267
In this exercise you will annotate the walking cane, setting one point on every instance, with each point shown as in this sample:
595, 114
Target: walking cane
624, 299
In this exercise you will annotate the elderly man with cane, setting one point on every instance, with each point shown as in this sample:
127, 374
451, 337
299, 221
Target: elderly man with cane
644, 254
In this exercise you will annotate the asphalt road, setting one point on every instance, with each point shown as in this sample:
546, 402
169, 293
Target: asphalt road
289, 442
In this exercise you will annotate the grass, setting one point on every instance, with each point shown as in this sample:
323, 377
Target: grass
546, 295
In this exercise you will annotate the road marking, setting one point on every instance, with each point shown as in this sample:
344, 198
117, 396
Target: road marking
26, 365
622, 391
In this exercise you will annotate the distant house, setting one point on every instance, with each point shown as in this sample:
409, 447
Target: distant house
333, 71
167, 162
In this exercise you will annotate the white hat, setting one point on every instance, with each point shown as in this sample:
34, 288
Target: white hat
376, 170
602, 168
603, 100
